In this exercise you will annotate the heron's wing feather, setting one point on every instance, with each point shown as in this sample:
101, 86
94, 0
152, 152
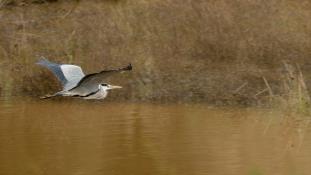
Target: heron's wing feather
69, 75
55, 69
73, 74
90, 82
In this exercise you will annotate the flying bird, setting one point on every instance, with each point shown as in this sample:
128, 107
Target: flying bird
76, 84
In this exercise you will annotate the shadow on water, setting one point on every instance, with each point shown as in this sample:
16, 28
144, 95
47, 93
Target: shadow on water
84, 137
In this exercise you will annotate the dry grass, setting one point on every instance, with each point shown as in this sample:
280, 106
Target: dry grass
295, 96
191, 51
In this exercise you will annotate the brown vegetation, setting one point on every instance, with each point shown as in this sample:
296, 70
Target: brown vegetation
222, 52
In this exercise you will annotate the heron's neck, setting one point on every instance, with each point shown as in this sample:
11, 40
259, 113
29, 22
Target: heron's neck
100, 94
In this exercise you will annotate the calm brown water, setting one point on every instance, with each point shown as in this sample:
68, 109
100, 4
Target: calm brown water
76, 137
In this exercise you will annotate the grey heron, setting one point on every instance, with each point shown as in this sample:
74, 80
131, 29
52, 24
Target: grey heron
75, 83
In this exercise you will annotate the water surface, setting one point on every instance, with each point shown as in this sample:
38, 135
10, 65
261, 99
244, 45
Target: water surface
75, 137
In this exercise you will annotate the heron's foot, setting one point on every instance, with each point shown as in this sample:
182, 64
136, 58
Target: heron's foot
47, 96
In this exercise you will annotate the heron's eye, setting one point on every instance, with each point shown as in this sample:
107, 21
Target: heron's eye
104, 84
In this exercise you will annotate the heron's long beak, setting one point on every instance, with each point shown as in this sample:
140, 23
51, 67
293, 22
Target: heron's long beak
114, 87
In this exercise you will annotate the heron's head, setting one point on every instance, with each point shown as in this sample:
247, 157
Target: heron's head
108, 86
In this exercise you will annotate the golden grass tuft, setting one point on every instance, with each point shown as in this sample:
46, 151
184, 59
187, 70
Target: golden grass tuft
295, 95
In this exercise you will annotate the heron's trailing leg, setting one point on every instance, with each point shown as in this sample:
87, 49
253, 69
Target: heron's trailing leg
49, 96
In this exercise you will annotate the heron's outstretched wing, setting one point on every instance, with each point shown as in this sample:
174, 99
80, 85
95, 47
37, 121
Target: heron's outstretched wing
90, 82
69, 75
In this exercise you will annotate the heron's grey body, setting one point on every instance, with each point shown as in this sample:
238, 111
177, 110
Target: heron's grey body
76, 83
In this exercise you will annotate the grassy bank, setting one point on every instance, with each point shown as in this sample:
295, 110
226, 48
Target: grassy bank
221, 52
